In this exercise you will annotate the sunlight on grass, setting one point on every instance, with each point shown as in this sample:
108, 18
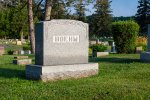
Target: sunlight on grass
121, 77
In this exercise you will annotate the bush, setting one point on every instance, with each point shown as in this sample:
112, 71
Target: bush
26, 47
110, 42
142, 41
98, 48
10, 52
125, 34
90, 51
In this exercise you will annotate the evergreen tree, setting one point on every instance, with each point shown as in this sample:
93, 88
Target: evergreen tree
4, 23
143, 15
59, 9
122, 18
101, 25
80, 10
13, 20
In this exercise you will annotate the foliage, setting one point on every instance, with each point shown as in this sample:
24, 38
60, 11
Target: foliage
143, 15
80, 10
59, 9
102, 20
142, 41
90, 51
4, 21
110, 42
10, 52
13, 21
26, 47
98, 48
122, 18
144, 46
80, 7
125, 34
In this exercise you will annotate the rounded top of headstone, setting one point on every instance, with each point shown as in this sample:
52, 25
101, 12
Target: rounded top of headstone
66, 21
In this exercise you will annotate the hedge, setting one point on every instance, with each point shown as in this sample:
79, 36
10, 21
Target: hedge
125, 34
98, 48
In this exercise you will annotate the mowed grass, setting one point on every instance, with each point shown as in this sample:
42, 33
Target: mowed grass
121, 77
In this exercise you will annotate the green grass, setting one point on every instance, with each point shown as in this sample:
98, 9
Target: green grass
121, 77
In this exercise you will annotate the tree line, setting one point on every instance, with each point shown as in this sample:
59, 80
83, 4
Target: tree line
18, 16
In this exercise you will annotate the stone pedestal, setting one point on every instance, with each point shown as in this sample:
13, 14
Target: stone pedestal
145, 57
61, 51
60, 72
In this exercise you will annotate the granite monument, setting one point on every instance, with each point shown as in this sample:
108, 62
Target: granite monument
61, 51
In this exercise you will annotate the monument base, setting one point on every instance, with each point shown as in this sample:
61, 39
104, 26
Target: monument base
60, 72
145, 57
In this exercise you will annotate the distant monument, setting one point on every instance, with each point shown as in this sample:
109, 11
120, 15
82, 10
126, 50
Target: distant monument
145, 57
61, 51
113, 49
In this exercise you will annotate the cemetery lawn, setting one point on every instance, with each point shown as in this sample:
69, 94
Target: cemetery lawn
121, 77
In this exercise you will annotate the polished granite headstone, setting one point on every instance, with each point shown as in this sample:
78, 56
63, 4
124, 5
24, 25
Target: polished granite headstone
61, 51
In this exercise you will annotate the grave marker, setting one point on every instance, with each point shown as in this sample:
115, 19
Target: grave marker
2, 50
61, 51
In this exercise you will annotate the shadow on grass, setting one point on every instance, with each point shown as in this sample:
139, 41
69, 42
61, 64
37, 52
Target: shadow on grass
114, 60
12, 73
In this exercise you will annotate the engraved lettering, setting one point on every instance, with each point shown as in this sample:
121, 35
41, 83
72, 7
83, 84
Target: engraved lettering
66, 39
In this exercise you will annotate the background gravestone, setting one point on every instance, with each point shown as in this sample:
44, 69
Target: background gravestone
2, 50
145, 57
138, 50
61, 51
18, 43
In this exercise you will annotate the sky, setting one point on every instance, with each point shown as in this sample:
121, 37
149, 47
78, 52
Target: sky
121, 7
124, 7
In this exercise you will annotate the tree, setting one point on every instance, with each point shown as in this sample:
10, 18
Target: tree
80, 10
4, 21
102, 21
31, 26
56, 9
48, 8
122, 18
143, 15
19, 19
13, 19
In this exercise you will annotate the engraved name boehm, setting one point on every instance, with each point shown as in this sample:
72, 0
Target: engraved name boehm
66, 39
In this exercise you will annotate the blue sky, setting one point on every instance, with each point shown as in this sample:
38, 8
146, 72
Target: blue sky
124, 7
121, 7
